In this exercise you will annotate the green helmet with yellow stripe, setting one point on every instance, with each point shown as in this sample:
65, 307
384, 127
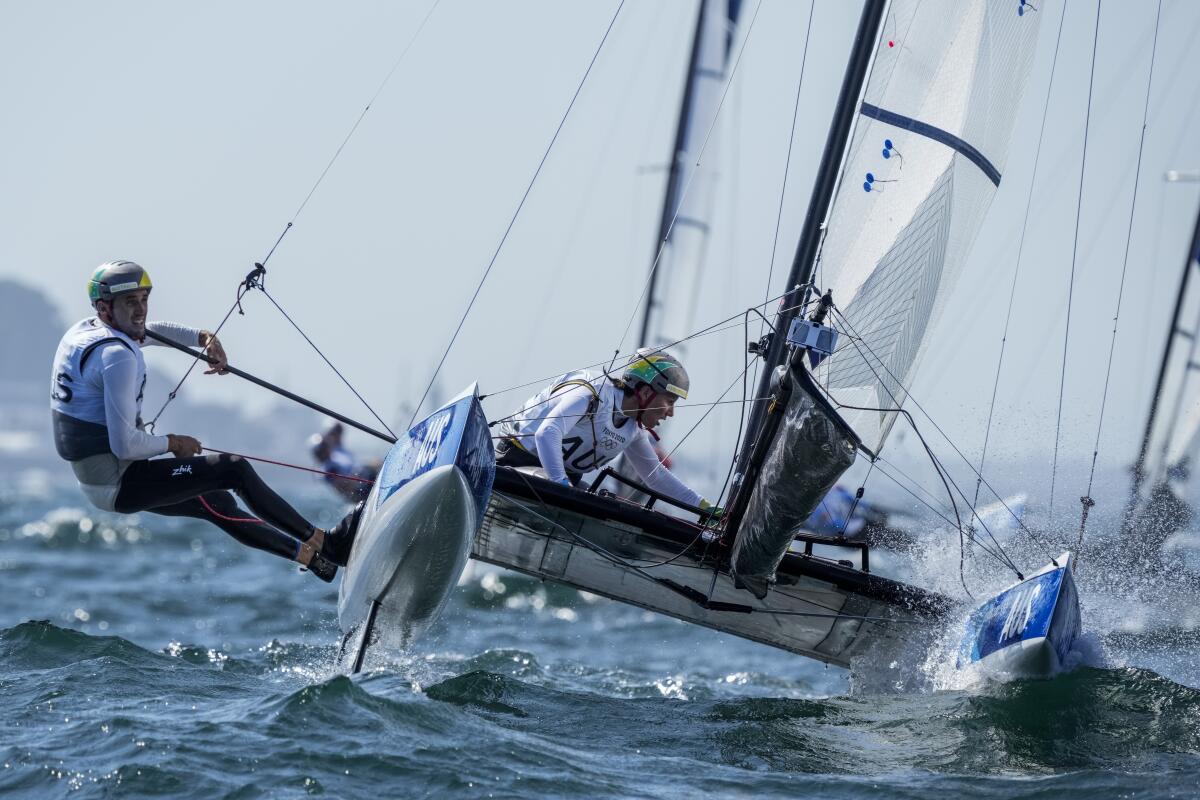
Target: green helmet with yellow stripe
659, 370
114, 278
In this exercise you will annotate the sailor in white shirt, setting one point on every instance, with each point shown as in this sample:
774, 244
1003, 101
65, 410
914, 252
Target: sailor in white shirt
96, 391
580, 423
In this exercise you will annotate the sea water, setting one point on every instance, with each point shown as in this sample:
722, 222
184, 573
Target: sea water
154, 657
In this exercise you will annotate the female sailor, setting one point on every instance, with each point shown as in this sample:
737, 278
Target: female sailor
580, 423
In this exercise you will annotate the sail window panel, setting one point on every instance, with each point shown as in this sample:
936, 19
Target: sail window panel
955, 72
891, 313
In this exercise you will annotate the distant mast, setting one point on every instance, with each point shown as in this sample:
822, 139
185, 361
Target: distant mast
1174, 333
687, 201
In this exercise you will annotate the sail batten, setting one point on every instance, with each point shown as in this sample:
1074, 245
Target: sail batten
936, 134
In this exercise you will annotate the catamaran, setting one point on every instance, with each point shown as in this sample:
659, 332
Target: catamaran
915, 152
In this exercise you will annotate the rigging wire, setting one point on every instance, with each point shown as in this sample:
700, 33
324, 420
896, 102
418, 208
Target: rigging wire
354, 127
856, 339
1087, 497
254, 279
687, 187
243, 287
1062, 382
987, 430
327, 361
975, 540
516, 213
909, 396
716, 327
683, 407
787, 168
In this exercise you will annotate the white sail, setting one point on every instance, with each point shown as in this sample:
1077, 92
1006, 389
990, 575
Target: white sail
932, 135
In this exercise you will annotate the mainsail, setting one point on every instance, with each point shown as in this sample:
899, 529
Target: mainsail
928, 153
931, 122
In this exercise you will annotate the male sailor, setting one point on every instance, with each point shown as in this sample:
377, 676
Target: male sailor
96, 402
580, 423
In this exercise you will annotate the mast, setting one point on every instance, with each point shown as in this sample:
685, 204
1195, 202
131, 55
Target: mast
804, 260
1139, 469
683, 223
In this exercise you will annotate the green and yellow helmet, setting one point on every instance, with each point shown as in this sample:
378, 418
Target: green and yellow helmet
660, 371
114, 278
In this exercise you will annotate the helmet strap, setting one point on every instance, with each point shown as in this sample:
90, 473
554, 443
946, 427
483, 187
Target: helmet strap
644, 394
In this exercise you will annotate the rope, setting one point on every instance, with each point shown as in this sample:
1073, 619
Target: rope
987, 431
219, 515
171, 395
1062, 381
512, 221
713, 328
1087, 497
291, 466
855, 339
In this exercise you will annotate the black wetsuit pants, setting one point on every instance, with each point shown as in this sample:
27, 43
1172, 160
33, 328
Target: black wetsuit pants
509, 455
200, 487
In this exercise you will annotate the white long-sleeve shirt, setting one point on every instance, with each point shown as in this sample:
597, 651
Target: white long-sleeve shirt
97, 383
558, 428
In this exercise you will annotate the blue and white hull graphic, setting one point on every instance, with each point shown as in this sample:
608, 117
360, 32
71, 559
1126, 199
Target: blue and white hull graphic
419, 522
1027, 629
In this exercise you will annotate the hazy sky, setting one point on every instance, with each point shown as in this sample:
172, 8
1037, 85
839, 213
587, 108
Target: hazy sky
185, 136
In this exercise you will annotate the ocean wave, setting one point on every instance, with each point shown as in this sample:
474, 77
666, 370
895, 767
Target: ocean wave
73, 528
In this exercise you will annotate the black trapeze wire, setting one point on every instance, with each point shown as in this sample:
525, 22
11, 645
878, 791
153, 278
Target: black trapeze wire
1124, 267
257, 276
516, 213
987, 431
1062, 381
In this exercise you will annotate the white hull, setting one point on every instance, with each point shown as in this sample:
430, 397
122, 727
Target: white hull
408, 556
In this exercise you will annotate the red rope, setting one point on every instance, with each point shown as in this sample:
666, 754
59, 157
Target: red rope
219, 515
292, 466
